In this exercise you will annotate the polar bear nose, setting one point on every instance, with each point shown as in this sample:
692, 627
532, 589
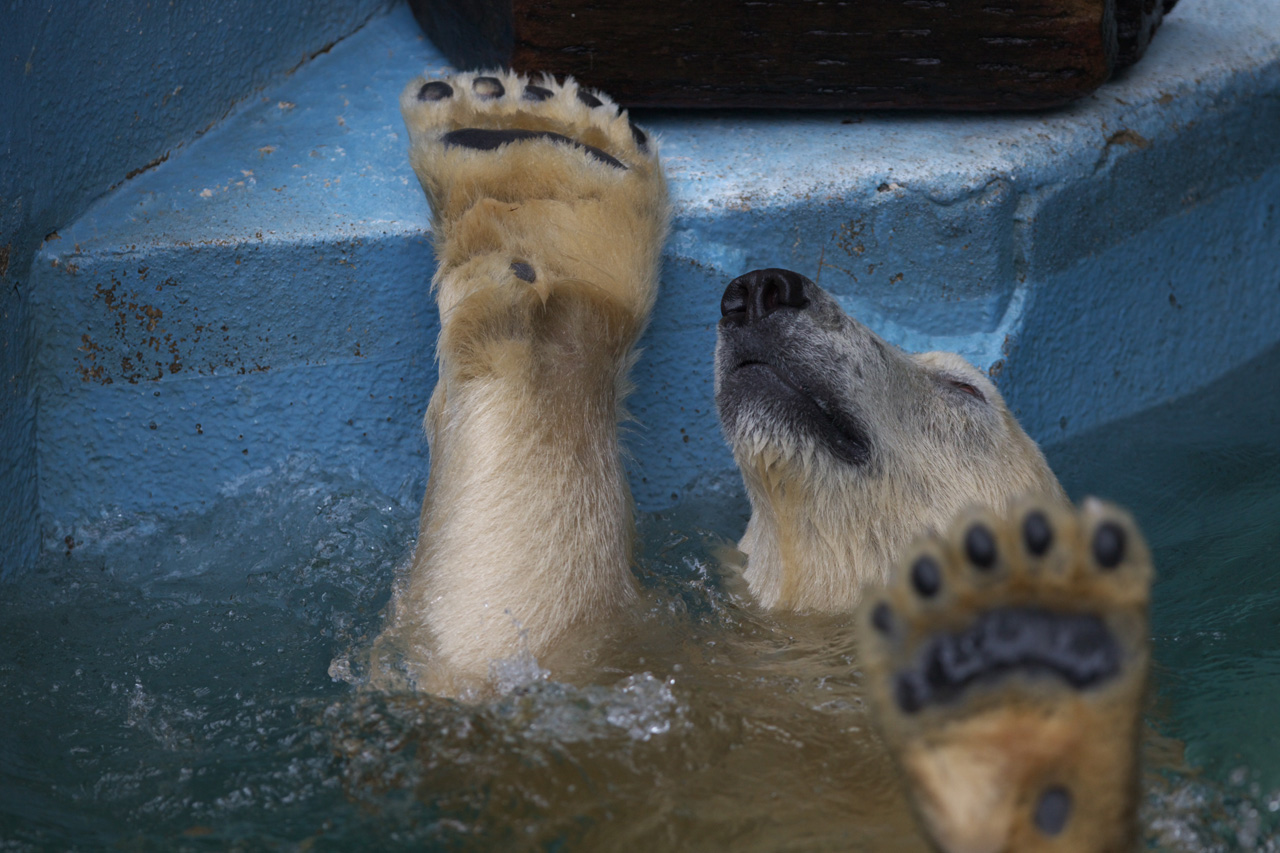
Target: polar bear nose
752, 297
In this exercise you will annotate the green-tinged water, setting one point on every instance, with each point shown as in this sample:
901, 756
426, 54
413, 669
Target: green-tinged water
193, 683
1202, 475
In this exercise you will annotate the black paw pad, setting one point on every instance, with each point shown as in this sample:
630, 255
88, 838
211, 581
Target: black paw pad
641, 138
484, 139
980, 546
1108, 544
926, 577
488, 87
1053, 810
910, 693
536, 93
523, 271
1037, 533
882, 618
1076, 648
436, 90
588, 98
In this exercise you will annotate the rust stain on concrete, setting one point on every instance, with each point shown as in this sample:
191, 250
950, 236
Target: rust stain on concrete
145, 344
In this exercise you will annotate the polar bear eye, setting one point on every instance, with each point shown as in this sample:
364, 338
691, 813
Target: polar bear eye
971, 390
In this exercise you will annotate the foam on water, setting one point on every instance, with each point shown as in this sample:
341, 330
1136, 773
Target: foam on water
196, 682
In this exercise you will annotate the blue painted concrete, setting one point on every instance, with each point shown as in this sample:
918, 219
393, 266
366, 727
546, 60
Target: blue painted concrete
88, 94
1097, 260
263, 295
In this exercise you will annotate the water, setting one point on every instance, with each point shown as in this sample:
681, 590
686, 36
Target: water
192, 683
1202, 476
189, 684
166, 681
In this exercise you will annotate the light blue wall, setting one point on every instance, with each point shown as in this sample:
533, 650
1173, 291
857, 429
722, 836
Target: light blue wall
89, 93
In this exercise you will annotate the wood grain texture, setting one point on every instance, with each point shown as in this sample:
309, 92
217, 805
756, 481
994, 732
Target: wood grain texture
879, 54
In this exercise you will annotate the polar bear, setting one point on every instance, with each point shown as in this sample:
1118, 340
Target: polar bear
850, 447
550, 210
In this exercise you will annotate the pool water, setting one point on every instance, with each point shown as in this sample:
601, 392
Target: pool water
1202, 476
194, 683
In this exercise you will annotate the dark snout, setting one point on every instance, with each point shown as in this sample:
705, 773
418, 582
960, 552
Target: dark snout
759, 294
780, 352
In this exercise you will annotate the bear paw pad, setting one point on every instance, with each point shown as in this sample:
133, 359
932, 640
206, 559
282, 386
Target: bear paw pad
1006, 667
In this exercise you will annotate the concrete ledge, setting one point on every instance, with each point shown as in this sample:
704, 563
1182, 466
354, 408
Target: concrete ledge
270, 282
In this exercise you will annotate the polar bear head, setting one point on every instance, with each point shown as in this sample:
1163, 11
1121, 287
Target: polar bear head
850, 448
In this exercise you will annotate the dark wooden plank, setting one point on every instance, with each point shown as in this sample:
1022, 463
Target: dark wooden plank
1136, 22
896, 54
977, 54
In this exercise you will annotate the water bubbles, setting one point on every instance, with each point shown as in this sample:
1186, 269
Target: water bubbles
340, 669
139, 704
643, 706
517, 672
1188, 814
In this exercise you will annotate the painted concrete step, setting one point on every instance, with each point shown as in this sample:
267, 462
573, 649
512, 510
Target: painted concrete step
263, 295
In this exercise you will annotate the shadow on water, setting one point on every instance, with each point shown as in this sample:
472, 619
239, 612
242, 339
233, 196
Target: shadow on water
168, 683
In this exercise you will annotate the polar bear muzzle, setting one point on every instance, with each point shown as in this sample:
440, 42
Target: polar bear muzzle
764, 393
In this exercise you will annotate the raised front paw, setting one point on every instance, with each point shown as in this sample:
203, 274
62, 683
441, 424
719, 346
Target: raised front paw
518, 129
1006, 666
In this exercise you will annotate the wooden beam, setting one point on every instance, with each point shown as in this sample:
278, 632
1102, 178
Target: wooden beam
866, 54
